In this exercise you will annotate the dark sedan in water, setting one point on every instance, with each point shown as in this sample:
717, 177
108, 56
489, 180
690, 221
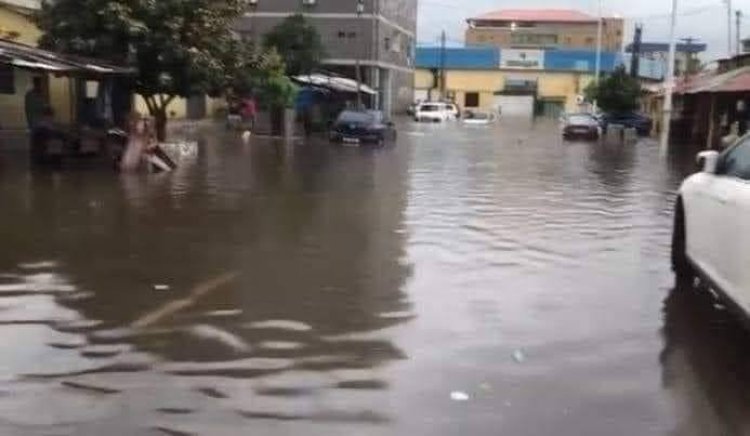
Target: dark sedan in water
368, 126
641, 123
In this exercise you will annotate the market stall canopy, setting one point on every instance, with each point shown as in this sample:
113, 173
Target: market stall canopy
31, 58
334, 83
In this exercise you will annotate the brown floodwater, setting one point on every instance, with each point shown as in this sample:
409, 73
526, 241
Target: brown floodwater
484, 281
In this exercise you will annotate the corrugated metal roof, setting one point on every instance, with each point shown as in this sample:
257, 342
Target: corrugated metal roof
24, 4
32, 58
732, 81
538, 15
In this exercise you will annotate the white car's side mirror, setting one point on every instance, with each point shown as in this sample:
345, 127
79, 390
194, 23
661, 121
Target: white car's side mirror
709, 160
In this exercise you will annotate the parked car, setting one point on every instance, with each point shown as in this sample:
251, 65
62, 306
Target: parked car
478, 117
453, 110
368, 126
641, 123
435, 112
711, 237
580, 126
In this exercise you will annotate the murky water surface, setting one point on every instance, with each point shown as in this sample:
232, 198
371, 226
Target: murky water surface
477, 281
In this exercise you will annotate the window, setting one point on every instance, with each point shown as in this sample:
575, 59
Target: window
471, 99
532, 39
341, 34
387, 43
590, 41
736, 163
7, 80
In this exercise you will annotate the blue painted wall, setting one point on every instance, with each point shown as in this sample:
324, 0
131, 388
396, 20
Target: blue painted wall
459, 58
488, 58
579, 60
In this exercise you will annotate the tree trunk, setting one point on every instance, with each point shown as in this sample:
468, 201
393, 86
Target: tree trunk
277, 120
158, 110
160, 119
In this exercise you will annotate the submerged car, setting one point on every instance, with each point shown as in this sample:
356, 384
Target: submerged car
435, 112
478, 117
580, 126
641, 123
368, 126
711, 237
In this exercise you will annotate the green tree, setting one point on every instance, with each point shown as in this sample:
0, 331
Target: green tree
618, 92
179, 47
298, 43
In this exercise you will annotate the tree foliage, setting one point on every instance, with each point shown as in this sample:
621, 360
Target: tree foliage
298, 43
179, 47
262, 73
618, 92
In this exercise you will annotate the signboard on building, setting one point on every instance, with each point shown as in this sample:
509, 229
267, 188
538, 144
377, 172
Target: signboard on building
522, 59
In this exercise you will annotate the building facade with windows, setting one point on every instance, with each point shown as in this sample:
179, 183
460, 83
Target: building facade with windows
382, 39
543, 29
514, 81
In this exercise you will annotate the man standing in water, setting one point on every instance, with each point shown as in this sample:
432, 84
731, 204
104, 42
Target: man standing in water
35, 103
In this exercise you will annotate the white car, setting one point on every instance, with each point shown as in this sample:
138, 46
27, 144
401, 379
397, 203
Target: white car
712, 224
435, 112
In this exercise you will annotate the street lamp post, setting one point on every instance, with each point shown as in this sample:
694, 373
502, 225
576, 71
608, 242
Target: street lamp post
669, 85
599, 32
358, 73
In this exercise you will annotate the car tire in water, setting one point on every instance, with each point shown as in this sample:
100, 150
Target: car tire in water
681, 265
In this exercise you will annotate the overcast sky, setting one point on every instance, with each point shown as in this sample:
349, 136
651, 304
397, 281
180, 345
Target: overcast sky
704, 19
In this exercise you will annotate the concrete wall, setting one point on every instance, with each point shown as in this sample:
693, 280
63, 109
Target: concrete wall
552, 85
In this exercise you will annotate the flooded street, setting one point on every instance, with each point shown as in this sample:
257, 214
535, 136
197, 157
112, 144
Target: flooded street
476, 281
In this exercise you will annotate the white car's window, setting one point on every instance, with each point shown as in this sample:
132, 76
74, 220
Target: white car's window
736, 162
429, 108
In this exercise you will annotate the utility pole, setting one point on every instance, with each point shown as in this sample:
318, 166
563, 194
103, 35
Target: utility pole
739, 24
599, 44
669, 88
442, 66
635, 53
729, 28
358, 72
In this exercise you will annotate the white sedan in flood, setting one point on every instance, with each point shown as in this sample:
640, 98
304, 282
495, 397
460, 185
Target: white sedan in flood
712, 224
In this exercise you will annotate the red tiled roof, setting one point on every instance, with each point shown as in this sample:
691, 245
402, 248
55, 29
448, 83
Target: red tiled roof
538, 15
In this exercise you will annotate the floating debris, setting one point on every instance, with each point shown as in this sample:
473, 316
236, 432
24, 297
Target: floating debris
161, 287
459, 396
90, 388
280, 324
211, 333
519, 356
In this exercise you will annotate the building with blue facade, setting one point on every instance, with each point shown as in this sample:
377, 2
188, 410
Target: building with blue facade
486, 77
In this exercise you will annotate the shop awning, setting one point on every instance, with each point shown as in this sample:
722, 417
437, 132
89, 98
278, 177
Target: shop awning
32, 58
732, 81
334, 83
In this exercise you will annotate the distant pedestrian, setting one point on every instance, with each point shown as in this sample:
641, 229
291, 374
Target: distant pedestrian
35, 103
249, 112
